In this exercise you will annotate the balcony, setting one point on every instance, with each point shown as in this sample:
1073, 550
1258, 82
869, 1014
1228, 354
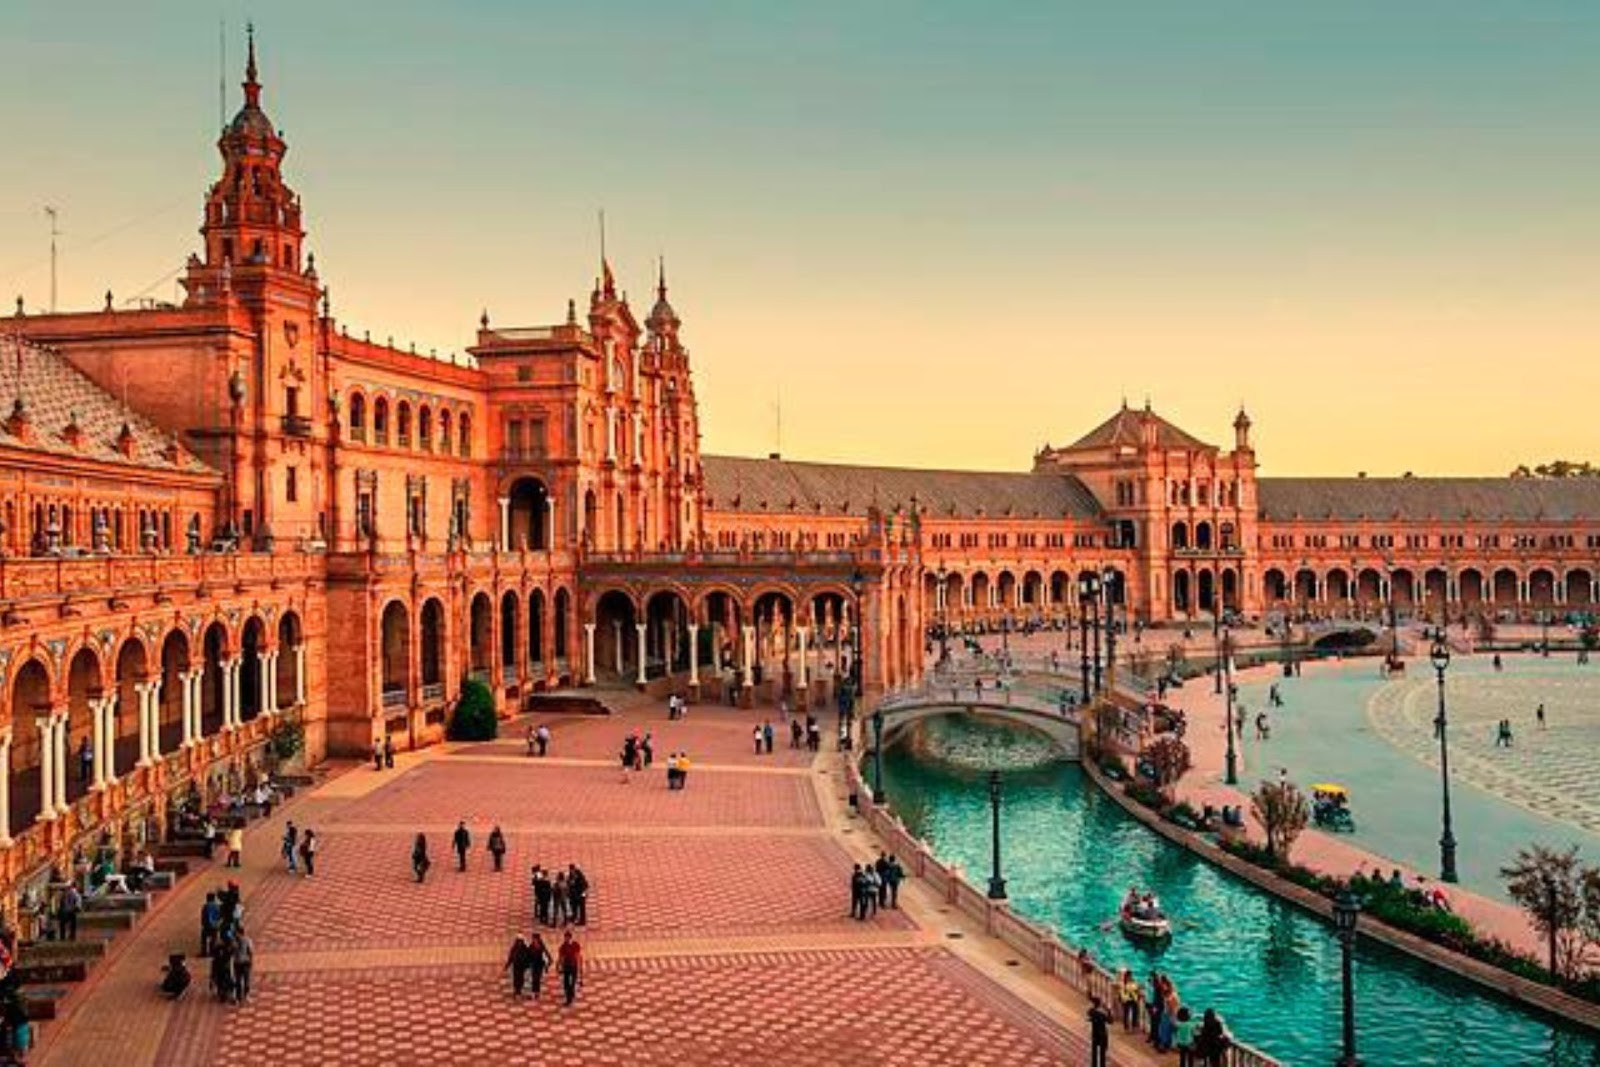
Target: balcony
394, 696
432, 692
296, 426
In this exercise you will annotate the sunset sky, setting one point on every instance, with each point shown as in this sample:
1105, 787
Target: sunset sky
944, 233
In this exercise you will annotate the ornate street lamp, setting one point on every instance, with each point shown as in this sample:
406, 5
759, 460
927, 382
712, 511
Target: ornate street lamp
1346, 912
1108, 586
1088, 596
1544, 634
997, 884
1440, 655
1394, 618
944, 616
858, 586
878, 794
1232, 777
1216, 638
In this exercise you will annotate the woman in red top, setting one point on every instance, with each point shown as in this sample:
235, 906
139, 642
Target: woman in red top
570, 959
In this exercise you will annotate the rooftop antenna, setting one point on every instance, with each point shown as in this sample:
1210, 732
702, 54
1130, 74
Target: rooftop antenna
54, 233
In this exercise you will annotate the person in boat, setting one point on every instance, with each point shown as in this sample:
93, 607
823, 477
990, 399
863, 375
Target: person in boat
1130, 901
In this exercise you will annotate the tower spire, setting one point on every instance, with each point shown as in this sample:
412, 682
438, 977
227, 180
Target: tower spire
252, 87
661, 278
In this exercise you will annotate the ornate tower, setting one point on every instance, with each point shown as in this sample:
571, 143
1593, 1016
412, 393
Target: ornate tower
679, 418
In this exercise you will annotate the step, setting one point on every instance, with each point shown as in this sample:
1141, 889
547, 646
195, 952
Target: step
181, 850
39, 953
281, 780
118, 902
165, 878
41, 1001
172, 868
52, 973
110, 919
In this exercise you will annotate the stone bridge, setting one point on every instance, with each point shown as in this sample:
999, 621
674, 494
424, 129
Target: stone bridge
1023, 706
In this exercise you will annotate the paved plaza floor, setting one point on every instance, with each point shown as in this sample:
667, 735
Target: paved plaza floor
719, 929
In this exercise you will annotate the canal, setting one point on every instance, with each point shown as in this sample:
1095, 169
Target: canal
1269, 968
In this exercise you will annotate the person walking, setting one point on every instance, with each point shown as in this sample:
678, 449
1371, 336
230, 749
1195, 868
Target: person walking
767, 736
377, 754
244, 958
755, 735
1130, 993
419, 858
559, 897
1211, 1044
210, 920
1183, 1036
222, 979
858, 893
308, 851
235, 845
543, 738
542, 892
880, 867
497, 847
893, 875
388, 752
578, 895
67, 909
533, 738
539, 962
1099, 1033
570, 960
291, 840
461, 841
519, 962
1538, 715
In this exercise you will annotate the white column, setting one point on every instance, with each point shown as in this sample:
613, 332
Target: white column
300, 673
616, 632
47, 767
97, 717
190, 711
505, 524
5, 787
639, 626
230, 694
588, 652
264, 683
800, 633
61, 741
155, 720
611, 433
749, 633
550, 533
694, 653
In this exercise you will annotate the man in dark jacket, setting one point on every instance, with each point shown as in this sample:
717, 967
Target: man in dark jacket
462, 841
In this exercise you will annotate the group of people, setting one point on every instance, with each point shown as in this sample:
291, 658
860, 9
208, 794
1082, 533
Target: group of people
383, 753
224, 941
1167, 1022
875, 885
538, 740
560, 900
299, 846
529, 959
638, 752
807, 735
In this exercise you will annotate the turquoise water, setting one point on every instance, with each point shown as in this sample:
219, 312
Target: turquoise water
1270, 969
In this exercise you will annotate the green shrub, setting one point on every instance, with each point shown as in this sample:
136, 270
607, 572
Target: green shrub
474, 718
1146, 794
287, 739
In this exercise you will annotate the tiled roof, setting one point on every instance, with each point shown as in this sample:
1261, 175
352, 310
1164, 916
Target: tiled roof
1550, 499
55, 393
835, 487
1123, 429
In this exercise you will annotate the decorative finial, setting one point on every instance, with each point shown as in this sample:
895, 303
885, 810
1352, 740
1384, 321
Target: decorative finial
20, 312
108, 299
252, 87
572, 310
483, 320
661, 278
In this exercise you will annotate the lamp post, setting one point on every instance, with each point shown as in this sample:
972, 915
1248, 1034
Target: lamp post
1088, 594
1226, 650
878, 795
944, 617
1108, 588
1394, 619
997, 884
1346, 911
1440, 655
1216, 639
858, 586
1544, 634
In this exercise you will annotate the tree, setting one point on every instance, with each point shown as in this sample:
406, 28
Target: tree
1168, 760
474, 718
1550, 886
1559, 468
1281, 808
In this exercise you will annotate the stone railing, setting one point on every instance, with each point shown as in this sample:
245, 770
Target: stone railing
1034, 942
37, 577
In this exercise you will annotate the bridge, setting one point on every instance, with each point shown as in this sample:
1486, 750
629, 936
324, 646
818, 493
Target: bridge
1026, 704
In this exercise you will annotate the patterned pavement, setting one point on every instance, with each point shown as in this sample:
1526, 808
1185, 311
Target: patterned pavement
719, 930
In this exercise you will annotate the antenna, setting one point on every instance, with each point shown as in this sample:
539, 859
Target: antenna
54, 233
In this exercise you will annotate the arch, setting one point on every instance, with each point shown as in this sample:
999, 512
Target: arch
1060, 588
1436, 591
560, 621
1338, 584
445, 439
1181, 600
1541, 587
1230, 589
286, 678
464, 432
132, 668
591, 518
85, 682
536, 630
481, 627
1580, 587
1369, 586
722, 610
380, 421
529, 514
1505, 589
252, 651
396, 655
1206, 590
1305, 586
1032, 589
433, 644
30, 698
1275, 585
1006, 590
615, 643
980, 591
1180, 535
510, 634
772, 614
358, 417
1469, 586
1202, 535
666, 632
174, 666
213, 679
402, 420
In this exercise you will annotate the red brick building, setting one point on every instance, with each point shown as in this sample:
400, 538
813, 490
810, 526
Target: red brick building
227, 509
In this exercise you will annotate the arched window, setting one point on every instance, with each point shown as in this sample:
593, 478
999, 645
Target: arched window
358, 418
444, 431
425, 428
403, 418
380, 421
465, 448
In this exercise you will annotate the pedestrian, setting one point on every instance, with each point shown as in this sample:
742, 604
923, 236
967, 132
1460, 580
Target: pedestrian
497, 847
244, 958
461, 840
519, 962
755, 735
235, 845
1213, 1041
1538, 714
672, 771
539, 962
858, 891
683, 770
67, 909
767, 735
893, 875
543, 737
647, 751
869, 891
222, 980
1099, 1033
533, 738
797, 732
291, 838
1183, 1036
419, 857
1130, 993
1154, 1004
377, 754
560, 896
570, 957
578, 895
210, 919
880, 867
542, 892
388, 752
308, 851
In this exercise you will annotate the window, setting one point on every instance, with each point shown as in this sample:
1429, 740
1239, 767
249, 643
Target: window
380, 421
466, 434
291, 484
403, 414
514, 437
364, 514
291, 400
358, 418
425, 428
